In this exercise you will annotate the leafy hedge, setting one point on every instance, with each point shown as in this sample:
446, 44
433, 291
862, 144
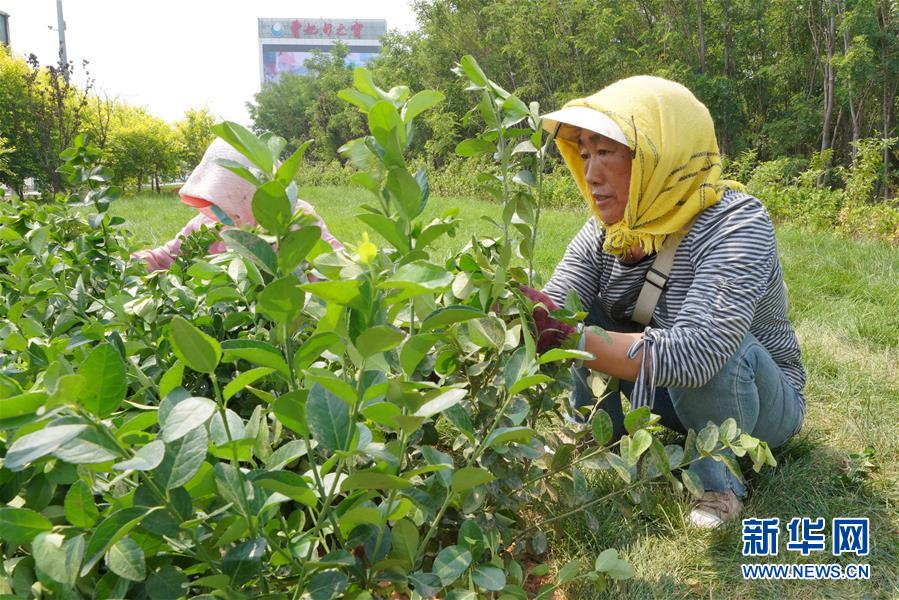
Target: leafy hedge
282, 420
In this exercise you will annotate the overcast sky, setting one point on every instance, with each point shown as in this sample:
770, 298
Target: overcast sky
170, 55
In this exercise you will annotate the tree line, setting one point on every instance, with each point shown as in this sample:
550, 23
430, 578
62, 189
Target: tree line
781, 78
42, 110
811, 84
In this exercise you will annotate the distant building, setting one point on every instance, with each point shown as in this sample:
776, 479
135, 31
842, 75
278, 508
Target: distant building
4, 28
285, 44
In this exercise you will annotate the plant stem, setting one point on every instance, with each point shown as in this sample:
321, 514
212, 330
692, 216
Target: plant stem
160, 495
222, 407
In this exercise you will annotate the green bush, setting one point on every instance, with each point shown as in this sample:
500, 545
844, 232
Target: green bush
792, 191
282, 420
324, 173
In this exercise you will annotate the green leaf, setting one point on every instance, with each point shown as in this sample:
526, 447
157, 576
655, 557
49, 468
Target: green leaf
182, 459
327, 585
256, 352
197, 350
228, 482
421, 102
405, 538
187, 415
146, 458
556, 354
242, 562
442, 317
609, 563
166, 583
489, 578
388, 129
329, 419
383, 413
637, 419
20, 525
602, 427
379, 338
333, 383
239, 169
81, 511
728, 430
312, 349
474, 147
618, 464
243, 380
109, 531
281, 300
344, 292
363, 101
126, 559
472, 70
469, 477
288, 483
418, 277
707, 438
289, 452
693, 483
640, 443
21, 405
450, 563
731, 463
373, 480
171, 379
405, 192
57, 557
527, 382
570, 571
253, 248
516, 368
505, 435
104, 373
443, 401
290, 410
389, 229
295, 246
287, 172
245, 142
39, 444
414, 350
271, 207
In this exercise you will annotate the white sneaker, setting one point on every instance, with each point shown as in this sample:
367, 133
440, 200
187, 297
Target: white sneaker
715, 508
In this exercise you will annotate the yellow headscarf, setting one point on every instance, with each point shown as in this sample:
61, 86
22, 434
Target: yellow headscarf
676, 166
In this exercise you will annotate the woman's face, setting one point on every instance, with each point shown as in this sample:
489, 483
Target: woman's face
607, 170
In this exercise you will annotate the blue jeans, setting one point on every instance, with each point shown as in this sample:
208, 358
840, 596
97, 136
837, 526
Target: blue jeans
750, 387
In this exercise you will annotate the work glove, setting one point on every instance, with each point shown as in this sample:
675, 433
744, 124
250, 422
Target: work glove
550, 332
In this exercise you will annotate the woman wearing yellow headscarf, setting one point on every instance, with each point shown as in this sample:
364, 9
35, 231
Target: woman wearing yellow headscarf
719, 344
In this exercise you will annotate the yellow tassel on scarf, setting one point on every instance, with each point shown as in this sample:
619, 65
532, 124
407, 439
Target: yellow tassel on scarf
676, 166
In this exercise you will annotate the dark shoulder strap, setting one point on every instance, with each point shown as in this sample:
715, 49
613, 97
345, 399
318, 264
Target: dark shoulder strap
657, 277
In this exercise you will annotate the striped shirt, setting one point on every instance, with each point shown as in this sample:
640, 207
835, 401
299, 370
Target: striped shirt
726, 281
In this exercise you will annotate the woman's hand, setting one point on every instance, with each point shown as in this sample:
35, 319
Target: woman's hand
550, 332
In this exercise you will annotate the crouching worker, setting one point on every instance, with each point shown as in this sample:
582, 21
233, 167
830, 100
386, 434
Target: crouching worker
215, 191
673, 247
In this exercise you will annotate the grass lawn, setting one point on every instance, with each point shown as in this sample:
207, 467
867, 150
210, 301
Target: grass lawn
844, 303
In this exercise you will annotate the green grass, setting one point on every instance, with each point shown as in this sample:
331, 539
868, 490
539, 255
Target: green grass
845, 308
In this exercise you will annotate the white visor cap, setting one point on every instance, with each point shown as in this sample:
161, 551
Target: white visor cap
583, 118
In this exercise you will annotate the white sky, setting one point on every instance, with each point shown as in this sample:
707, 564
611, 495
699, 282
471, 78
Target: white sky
170, 55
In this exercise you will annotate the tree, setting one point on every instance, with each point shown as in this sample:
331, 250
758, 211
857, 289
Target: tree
5, 151
53, 111
195, 131
21, 161
142, 149
303, 107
